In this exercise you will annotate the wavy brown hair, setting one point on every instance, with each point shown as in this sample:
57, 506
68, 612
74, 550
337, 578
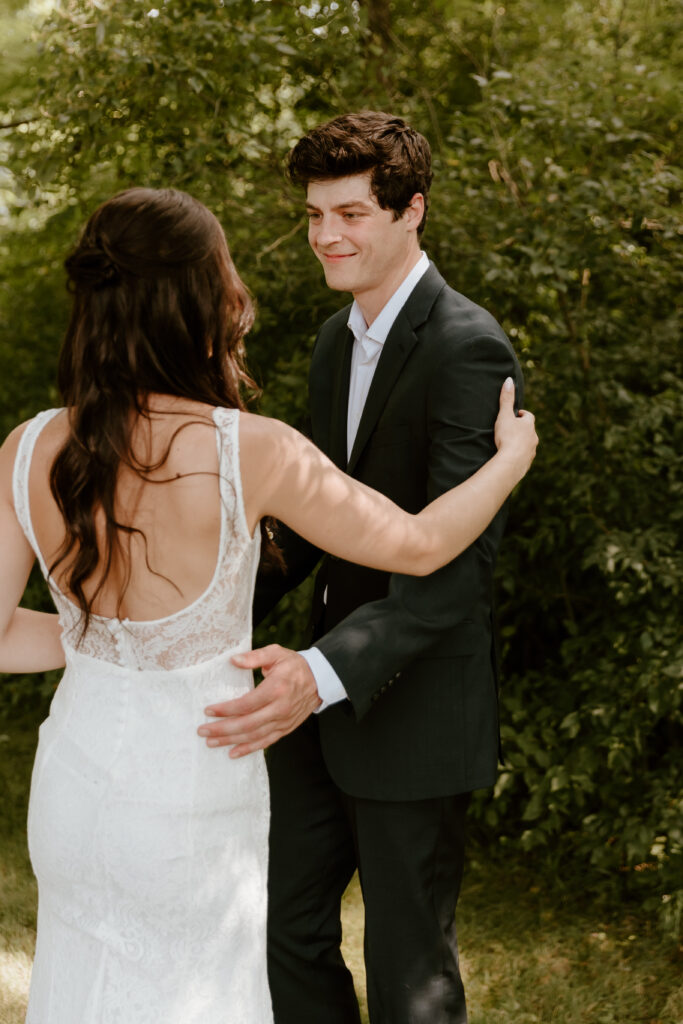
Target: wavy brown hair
398, 157
158, 307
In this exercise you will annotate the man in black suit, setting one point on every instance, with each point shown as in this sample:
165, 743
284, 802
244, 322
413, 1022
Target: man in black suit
404, 388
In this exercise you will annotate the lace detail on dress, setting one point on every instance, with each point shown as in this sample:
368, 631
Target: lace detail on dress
218, 620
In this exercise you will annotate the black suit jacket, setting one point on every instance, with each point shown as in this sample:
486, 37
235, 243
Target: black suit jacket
416, 655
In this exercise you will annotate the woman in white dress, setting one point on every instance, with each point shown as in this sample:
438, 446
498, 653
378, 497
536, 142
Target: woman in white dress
141, 500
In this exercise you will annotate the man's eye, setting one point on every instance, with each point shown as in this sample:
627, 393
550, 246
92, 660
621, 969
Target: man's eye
350, 216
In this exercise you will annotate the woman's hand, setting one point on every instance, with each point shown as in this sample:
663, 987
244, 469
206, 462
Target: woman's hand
515, 434
285, 476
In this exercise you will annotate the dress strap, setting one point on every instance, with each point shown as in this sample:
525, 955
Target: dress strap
20, 478
227, 423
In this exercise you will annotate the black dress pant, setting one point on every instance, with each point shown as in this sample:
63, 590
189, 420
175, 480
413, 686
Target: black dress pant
409, 856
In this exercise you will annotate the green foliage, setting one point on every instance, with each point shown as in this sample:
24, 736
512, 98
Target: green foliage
556, 204
570, 235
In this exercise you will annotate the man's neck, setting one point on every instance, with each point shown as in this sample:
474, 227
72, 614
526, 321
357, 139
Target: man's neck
372, 303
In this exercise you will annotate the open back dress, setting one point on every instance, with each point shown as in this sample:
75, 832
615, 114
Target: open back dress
150, 848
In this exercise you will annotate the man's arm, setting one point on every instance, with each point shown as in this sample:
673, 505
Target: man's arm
376, 641
274, 581
379, 639
299, 558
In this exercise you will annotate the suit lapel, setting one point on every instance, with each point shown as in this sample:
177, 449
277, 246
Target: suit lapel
340, 397
399, 344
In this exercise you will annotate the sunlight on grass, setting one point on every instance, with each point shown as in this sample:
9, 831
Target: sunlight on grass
352, 944
528, 959
15, 974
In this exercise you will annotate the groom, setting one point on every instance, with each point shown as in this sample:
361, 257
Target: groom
404, 387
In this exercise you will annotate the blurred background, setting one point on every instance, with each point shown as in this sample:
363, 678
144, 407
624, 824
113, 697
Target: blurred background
555, 130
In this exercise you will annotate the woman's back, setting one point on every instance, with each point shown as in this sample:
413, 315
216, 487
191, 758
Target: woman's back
149, 848
180, 584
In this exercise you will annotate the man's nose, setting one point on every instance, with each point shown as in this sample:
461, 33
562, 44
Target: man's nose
327, 233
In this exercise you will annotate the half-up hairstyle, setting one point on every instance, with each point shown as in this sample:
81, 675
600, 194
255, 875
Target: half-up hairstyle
158, 307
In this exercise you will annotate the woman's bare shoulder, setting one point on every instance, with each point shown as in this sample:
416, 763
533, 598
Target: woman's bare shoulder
57, 427
269, 450
264, 431
8, 454
11, 442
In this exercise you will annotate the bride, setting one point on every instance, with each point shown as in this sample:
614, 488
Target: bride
141, 501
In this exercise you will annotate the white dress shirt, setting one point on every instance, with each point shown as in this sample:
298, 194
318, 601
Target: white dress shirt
367, 347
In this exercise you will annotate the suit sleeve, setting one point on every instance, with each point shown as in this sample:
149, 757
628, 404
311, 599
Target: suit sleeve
379, 639
299, 558
273, 582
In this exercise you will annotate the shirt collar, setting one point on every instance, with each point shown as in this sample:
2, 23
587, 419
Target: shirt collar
382, 324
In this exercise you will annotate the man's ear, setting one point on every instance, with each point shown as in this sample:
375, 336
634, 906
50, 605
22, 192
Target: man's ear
414, 211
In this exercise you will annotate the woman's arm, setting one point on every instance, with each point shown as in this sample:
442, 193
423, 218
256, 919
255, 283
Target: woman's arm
285, 476
29, 641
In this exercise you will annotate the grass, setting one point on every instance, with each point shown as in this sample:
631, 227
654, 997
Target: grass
529, 957
17, 886
529, 952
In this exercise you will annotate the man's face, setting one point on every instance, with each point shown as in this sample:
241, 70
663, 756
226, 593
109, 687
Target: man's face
361, 247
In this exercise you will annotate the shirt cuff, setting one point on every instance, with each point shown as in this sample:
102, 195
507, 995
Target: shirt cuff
330, 687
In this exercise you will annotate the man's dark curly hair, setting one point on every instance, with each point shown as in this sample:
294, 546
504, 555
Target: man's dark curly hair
398, 157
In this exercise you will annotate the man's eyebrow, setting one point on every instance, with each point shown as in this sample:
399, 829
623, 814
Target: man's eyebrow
362, 203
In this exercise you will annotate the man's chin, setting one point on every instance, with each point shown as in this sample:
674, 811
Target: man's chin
337, 282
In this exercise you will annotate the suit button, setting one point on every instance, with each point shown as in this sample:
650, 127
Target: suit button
397, 676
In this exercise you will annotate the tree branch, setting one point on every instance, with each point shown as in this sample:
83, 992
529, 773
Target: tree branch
15, 124
284, 238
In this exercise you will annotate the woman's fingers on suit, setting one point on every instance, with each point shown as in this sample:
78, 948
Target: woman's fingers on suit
507, 400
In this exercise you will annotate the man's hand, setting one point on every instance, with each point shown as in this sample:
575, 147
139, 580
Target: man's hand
285, 698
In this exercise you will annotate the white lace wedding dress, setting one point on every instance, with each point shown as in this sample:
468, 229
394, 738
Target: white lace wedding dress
150, 849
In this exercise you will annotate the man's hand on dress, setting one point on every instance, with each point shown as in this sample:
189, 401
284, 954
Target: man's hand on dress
285, 698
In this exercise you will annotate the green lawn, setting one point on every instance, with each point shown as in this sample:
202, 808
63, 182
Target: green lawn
529, 953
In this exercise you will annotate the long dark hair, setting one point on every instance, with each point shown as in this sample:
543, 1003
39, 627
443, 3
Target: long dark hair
158, 307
